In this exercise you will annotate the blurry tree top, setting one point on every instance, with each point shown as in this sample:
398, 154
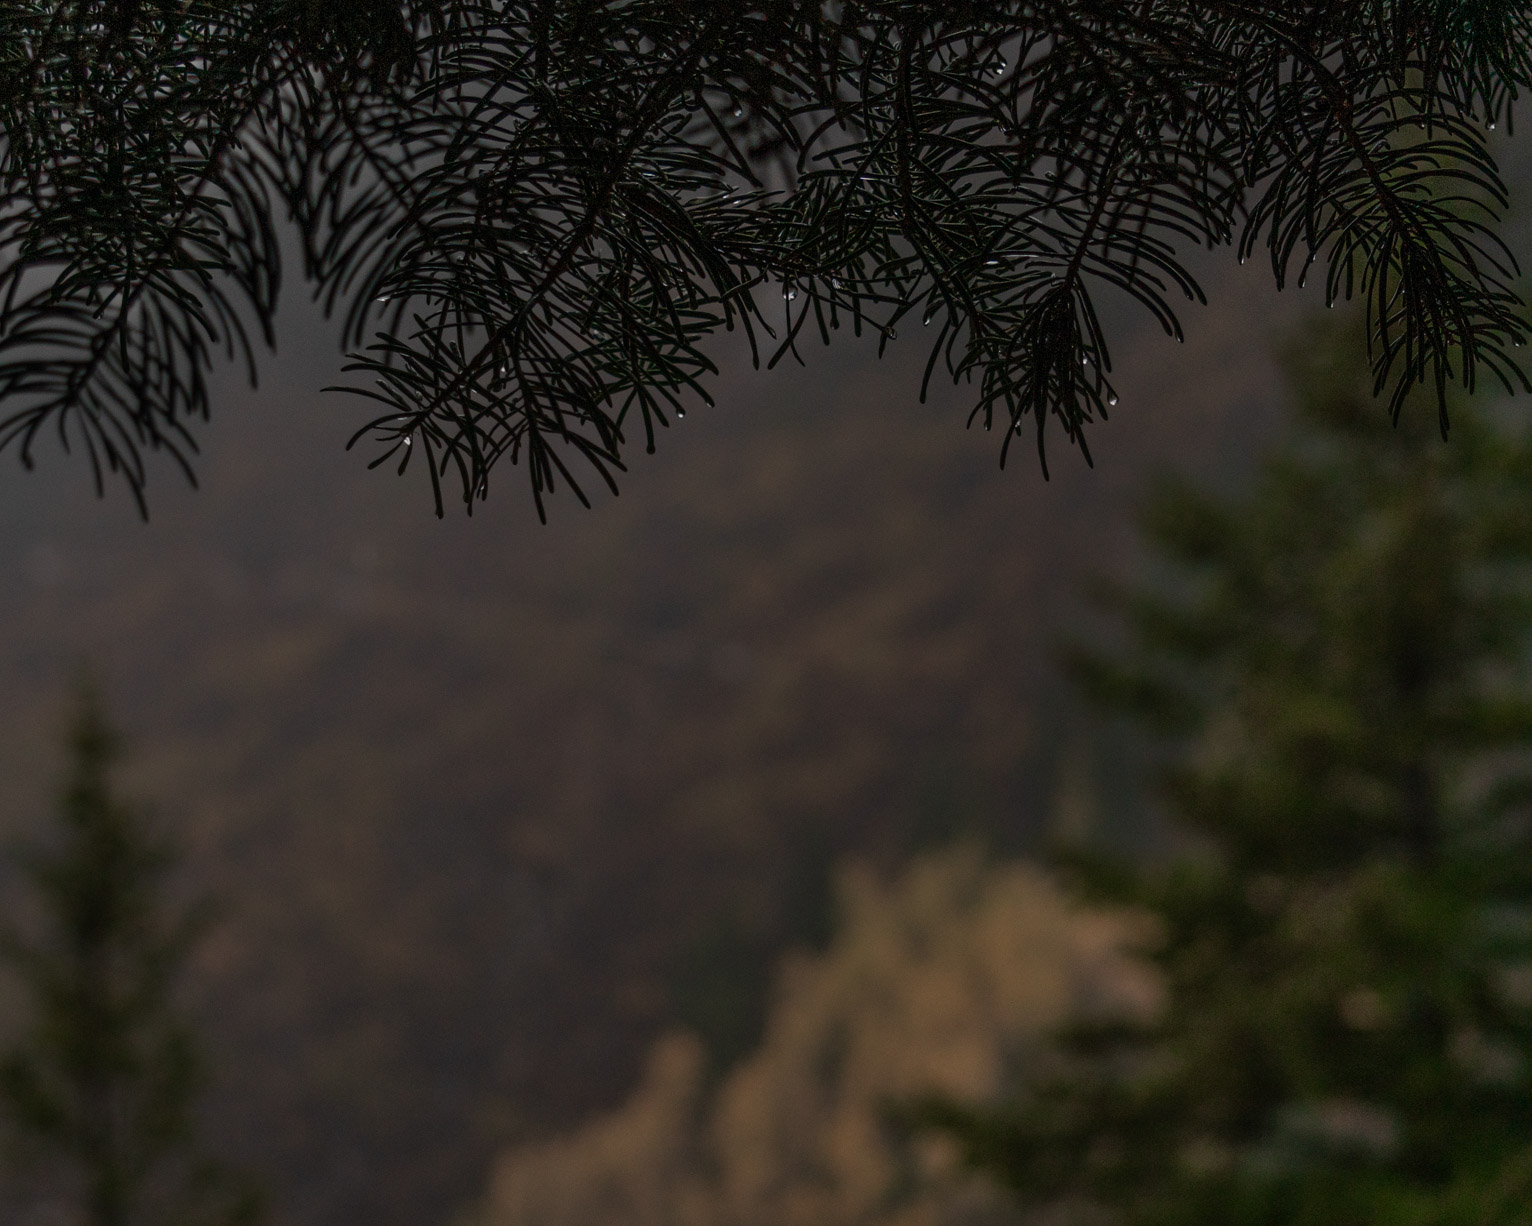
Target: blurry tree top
532, 217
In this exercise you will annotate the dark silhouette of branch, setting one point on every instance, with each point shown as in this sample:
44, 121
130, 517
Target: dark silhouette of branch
535, 218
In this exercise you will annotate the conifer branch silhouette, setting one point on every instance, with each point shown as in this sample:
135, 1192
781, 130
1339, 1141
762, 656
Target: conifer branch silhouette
534, 219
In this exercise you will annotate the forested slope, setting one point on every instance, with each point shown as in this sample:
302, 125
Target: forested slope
490, 804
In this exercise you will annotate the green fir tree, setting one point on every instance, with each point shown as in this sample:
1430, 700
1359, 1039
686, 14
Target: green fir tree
1337, 664
98, 1088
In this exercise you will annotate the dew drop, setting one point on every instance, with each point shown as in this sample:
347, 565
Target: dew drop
408, 442
738, 111
893, 334
992, 263
680, 413
1491, 125
1112, 399
790, 293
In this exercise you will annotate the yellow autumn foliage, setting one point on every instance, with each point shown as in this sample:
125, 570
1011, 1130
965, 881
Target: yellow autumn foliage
940, 981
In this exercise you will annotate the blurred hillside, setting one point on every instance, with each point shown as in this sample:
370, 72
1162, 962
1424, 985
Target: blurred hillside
492, 805
946, 980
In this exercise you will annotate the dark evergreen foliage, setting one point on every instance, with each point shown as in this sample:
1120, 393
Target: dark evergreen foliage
533, 217
1340, 659
98, 1090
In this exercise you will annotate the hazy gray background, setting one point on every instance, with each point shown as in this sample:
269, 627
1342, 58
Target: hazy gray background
489, 803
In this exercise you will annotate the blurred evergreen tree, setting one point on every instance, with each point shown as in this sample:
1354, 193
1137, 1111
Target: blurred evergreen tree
98, 1088
1337, 660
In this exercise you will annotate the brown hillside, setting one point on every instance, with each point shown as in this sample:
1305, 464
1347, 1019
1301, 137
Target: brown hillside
490, 804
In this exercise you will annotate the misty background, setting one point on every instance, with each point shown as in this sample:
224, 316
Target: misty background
491, 805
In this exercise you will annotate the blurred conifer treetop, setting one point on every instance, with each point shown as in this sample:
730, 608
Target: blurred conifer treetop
1338, 659
533, 218
98, 1086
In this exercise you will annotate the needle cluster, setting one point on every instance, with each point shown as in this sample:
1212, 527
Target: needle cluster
533, 216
